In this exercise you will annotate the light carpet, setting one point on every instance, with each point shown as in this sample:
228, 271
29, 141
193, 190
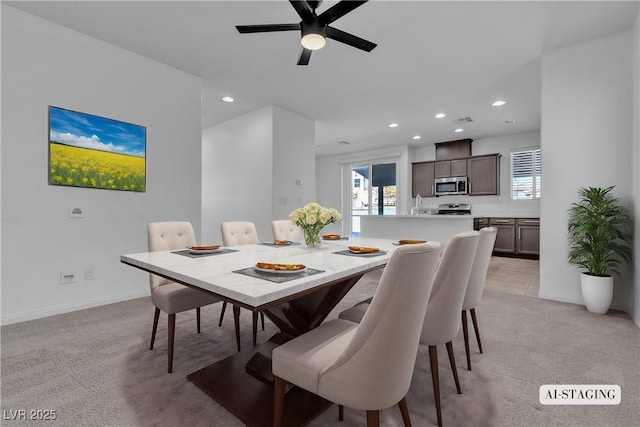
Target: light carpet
93, 367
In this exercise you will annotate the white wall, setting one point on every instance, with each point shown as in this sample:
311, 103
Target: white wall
294, 158
501, 204
236, 173
46, 64
250, 165
635, 78
586, 139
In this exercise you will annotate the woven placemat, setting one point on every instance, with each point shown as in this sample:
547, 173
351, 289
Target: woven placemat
365, 255
275, 245
275, 277
187, 253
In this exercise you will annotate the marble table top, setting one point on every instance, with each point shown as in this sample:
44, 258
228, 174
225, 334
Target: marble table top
215, 274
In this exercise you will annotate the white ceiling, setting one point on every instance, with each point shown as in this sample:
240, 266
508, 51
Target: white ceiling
453, 57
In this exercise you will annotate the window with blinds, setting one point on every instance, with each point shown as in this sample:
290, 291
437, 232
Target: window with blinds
526, 174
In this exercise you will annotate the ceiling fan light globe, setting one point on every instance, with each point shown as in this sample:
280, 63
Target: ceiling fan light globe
313, 41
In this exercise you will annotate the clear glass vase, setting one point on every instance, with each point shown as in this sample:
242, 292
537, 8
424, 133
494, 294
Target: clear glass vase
312, 238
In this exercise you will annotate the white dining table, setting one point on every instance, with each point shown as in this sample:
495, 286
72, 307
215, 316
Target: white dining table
242, 383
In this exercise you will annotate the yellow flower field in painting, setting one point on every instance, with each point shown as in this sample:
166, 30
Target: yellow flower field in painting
81, 167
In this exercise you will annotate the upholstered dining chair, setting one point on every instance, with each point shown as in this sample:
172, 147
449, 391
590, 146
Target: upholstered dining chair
168, 296
477, 277
366, 366
284, 229
235, 233
442, 319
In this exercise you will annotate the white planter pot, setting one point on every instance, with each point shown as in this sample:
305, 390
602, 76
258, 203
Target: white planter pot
597, 292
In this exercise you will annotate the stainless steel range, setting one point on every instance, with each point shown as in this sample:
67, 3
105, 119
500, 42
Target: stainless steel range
454, 209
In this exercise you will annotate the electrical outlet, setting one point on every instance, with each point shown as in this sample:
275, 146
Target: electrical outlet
75, 212
89, 273
67, 278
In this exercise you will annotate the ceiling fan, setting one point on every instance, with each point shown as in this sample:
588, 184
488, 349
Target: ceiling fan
315, 28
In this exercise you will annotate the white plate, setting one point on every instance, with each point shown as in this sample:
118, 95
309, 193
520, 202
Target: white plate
204, 251
269, 270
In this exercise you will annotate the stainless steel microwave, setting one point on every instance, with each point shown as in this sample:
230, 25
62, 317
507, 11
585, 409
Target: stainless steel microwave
452, 185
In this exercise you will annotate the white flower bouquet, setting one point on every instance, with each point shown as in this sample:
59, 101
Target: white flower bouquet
312, 218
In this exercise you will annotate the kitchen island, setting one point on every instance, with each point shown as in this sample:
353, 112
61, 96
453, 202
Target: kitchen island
425, 227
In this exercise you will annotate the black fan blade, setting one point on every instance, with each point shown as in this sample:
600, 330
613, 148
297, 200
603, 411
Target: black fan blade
305, 55
338, 10
350, 39
266, 28
303, 9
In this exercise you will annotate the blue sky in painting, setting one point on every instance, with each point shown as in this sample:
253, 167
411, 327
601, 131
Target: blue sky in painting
97, 133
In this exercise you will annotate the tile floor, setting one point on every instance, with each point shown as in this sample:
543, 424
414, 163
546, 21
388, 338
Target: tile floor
514, 276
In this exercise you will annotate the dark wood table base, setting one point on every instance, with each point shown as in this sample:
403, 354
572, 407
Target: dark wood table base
251, 399
243, 383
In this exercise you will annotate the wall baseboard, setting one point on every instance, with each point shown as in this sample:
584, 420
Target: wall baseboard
573, 300
61, 309
560, 297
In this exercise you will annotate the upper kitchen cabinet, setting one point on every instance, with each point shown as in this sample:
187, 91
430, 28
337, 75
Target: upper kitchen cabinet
449, 168
483, 174
422, 179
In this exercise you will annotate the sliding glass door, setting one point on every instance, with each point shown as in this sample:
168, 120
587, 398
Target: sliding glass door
373, 192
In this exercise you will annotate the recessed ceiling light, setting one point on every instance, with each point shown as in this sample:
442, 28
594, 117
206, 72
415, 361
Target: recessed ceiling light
440, 115
508, 122
458, 130
227, 99
499, 103
417, 137
393, 125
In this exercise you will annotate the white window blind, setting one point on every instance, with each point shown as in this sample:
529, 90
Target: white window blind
526, 174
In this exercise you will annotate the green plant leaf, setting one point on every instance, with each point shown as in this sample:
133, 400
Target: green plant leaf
599, 237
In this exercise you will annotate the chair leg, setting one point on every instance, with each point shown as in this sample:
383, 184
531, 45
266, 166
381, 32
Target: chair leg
255, 326
156, 316
236, 321
224, 307
433, 358
373, 418
475, 326
262, 318
172, 333
404, 411
465, 334
452, 361
198, 318
340, 412
278, 400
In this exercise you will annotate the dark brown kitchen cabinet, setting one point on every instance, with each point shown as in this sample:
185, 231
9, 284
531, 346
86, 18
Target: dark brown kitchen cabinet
483, 175
422, 179
528, 236
449, 168
506, 237
479, 223
517, 237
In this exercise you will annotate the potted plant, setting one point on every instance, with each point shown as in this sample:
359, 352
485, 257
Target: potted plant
599, 242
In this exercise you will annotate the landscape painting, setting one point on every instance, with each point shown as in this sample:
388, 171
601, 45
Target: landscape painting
95, 152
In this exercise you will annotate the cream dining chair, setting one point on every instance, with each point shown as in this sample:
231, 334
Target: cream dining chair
168, 296
442, 319
284, 229
236, 233
366, 366
477, 277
